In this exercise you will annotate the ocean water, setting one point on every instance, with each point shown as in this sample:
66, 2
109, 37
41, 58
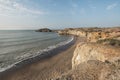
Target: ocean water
18, 45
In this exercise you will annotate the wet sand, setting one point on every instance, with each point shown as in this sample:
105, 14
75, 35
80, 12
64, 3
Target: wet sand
44, 69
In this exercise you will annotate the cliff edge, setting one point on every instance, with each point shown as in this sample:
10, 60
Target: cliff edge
92, 34
94, 51
96, 59
94, 62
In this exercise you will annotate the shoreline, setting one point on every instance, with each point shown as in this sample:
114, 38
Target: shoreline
48, 51
38, 59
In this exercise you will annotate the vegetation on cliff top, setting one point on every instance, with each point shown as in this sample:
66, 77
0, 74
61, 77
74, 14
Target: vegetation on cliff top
112, 42
44, 30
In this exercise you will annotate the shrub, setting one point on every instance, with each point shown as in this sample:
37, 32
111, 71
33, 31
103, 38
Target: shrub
112, 42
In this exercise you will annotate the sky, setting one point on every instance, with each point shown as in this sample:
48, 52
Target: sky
57, 14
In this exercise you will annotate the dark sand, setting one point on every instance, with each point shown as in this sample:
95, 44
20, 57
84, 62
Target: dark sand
44, 69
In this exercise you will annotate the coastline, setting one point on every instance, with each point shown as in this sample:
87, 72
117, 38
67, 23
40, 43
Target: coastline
38, 60
46, 52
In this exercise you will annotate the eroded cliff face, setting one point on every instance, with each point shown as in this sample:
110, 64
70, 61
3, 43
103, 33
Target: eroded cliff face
94, 70
92, 60
73, 32
93, 51
92, 34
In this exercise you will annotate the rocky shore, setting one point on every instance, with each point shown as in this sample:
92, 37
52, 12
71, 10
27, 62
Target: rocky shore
94, 56
96, 59
92, 34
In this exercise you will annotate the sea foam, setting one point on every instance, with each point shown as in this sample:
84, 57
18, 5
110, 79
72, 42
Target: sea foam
29, 57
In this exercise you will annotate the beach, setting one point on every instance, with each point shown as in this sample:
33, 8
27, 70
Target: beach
46, 68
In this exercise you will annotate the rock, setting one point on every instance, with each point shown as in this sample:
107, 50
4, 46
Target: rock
44, 30
71, 31
94, 70
92, 60
92, 34
93, 51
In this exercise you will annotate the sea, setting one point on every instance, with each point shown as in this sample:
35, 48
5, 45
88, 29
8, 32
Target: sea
19, 45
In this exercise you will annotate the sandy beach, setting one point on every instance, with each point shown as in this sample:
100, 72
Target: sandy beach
44, 69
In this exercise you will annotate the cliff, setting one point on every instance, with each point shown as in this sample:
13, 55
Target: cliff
96, 59
93, 51
71, 31
92, 34
94, 62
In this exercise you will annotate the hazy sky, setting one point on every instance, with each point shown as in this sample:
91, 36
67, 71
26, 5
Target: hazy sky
33, 14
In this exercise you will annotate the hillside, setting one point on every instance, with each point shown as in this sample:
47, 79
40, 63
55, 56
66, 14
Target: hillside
96, 59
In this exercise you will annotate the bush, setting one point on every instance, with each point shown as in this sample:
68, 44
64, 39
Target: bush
112, 42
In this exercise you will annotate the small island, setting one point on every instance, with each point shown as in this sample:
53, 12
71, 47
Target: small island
44, 30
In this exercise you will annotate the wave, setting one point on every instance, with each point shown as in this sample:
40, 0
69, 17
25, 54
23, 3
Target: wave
50, 50
24, 42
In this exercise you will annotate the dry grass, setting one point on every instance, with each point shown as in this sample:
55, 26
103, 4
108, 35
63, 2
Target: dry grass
112, 42
94, 70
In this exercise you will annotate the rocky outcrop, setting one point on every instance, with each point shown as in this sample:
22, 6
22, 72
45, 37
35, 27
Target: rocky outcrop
73, 32
44, 30
94, 70
92, 34
94, 62
96, 59
93, 51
